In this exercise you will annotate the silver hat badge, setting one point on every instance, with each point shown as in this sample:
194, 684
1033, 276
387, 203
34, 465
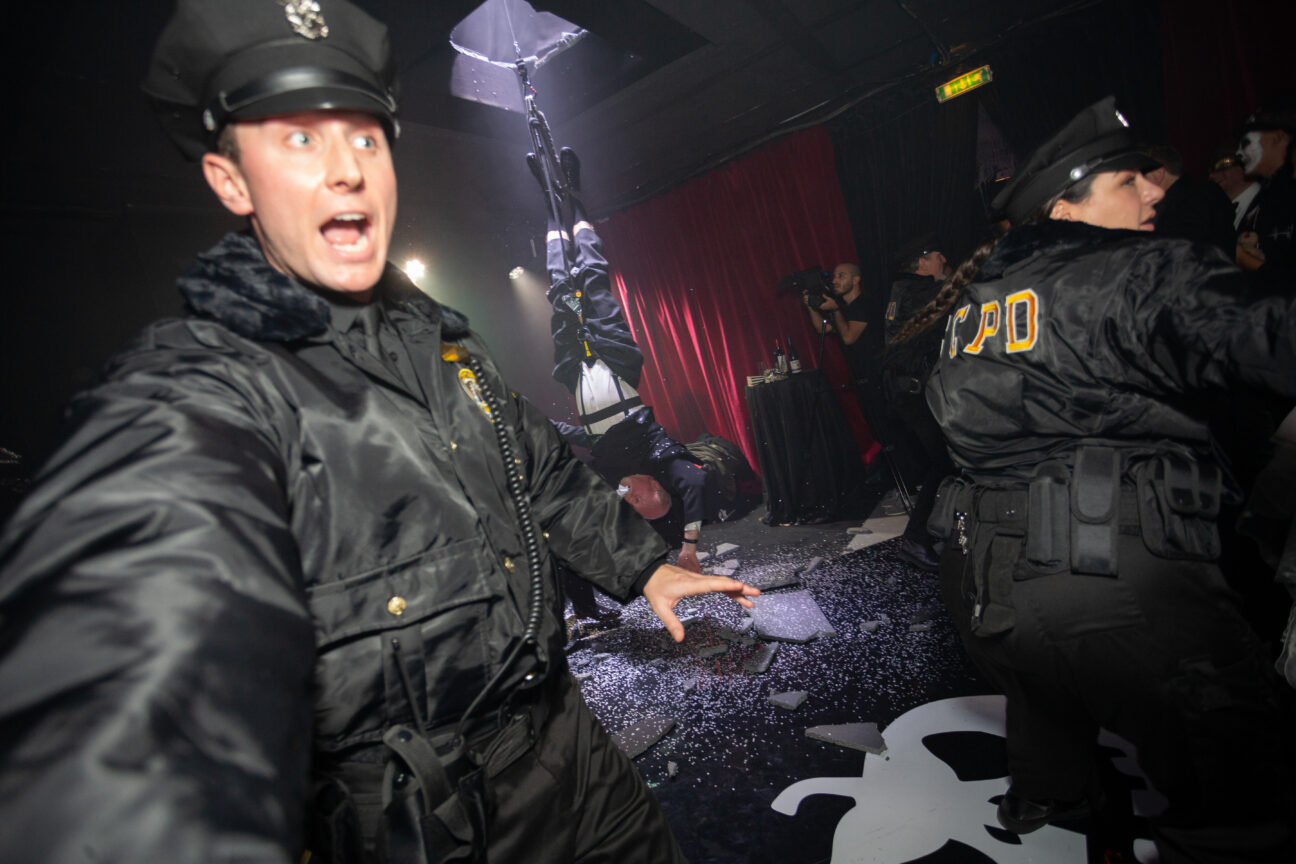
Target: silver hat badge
306, 18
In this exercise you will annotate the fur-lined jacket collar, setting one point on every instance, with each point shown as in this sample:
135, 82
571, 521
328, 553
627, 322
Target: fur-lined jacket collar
1052, 236
232, 283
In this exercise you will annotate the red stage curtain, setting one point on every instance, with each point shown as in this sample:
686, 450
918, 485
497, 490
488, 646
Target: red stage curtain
696, 270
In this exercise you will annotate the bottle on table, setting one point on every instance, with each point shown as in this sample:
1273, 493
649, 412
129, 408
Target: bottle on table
793, 361
780, 359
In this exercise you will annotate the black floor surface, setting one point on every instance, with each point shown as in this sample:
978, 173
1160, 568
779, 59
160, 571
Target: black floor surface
732, 752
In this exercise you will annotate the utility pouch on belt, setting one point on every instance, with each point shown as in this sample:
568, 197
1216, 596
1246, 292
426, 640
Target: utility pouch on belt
941, 520
1095, 510
1179, 501
423, 816
1048, 535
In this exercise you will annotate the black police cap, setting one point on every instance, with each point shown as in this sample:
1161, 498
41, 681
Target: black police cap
1271, 118
915, 247
1095, 140
223, 60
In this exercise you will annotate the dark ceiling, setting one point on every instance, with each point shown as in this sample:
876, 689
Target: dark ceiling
668, 89
678, 86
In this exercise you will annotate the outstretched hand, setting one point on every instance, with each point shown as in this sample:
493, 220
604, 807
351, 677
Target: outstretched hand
670, 584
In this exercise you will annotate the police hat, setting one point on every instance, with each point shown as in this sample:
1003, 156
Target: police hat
1095, 140
1271, 118
223, 60
914, 248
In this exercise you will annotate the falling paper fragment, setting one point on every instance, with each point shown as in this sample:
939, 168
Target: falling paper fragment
725, 548
638, 737
769, 583
790, 700
791, 617
856, 736
672, 770
809, 567
761, 659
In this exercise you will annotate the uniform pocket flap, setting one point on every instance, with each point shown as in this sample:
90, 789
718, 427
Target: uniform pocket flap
402, 593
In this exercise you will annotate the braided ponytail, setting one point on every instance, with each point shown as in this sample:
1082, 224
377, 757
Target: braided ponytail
967, 271
949, 292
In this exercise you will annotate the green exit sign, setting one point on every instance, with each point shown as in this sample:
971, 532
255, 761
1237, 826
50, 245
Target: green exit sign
963, 84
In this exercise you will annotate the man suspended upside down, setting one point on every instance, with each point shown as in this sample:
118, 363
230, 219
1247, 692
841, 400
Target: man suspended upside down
597, 360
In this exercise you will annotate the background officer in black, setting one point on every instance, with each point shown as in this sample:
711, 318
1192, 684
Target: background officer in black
294, 563
921, 269
1079, 565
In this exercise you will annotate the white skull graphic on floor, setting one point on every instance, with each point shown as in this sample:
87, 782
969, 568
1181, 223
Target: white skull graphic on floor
908, 802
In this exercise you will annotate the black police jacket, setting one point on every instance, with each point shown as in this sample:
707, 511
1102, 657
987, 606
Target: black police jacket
1073, 334
909, 294
251, 528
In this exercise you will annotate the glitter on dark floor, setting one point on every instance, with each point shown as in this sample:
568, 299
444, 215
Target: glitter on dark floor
735, 751
732, 749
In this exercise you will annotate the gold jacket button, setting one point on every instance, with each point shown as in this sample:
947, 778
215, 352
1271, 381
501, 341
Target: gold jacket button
508, 564
396, 605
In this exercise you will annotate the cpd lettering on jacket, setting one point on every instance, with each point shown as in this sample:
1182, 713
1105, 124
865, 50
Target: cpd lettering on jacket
1021, 333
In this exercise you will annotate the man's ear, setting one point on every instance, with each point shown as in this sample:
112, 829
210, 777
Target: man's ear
226, 180
1062, 211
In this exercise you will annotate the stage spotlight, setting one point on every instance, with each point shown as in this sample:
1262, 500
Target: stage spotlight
516, 273
414, 269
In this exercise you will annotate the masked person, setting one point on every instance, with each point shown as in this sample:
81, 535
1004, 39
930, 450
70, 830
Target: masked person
292, 565
597, 359
1081, 532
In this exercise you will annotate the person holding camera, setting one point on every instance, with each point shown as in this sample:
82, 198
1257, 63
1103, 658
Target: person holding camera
844, 309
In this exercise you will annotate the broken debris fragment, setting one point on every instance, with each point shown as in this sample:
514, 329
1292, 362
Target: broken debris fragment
856, 736
672, 770
791, 617
638, 737
871, 626
809, 567
713, 650
725, 548
761, 659
790, 700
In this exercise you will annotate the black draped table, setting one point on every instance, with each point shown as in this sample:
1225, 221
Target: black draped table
810, 467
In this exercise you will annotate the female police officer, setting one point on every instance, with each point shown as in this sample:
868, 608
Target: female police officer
1081, 532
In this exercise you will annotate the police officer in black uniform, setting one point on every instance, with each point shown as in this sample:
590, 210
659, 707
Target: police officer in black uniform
1079, 564
288, 584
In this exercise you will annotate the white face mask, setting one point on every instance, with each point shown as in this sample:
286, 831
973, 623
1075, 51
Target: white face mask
1251, 152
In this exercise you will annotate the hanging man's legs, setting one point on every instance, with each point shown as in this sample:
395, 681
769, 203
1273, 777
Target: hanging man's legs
595, 355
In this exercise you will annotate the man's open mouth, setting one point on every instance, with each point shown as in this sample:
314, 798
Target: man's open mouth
347, 232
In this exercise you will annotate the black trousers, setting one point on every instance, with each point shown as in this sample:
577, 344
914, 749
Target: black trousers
576, 799
1161, 656
925, 434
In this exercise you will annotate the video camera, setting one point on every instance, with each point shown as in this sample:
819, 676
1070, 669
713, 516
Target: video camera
814, 284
